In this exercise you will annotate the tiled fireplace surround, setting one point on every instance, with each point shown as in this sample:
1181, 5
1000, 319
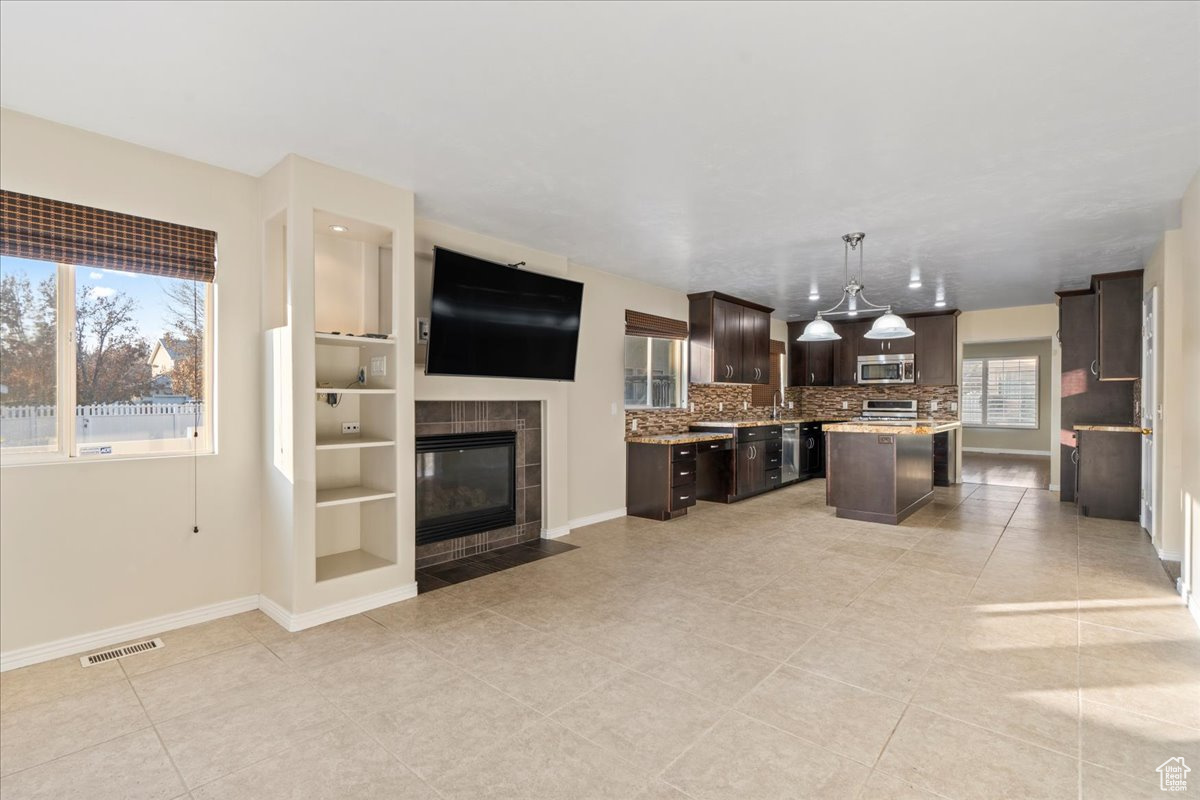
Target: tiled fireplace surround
808, 401
523, 416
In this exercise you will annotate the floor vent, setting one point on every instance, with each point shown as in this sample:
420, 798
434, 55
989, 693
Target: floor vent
121, 652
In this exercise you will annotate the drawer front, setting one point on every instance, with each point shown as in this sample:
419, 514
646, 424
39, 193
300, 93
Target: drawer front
772, 446
683, 496
712, 447
760, 433
683, 452
772, 478
773, 460
683, 472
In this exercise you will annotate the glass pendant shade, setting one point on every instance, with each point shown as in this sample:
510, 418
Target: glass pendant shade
819, 330
888, 326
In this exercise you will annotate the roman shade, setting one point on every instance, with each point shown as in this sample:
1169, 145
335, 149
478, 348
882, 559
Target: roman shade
52, 230
640, 324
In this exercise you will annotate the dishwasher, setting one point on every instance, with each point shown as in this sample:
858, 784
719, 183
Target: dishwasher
790, 468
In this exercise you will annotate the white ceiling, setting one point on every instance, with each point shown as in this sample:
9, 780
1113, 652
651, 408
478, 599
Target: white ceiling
1002, 150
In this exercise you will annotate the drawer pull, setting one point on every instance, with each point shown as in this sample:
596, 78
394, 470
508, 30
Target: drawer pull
684, 452
685, 472
684, 496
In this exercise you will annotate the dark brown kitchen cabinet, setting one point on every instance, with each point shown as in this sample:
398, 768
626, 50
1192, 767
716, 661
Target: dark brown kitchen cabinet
757, 461
729, 340
935, 348
1085, 398
1109, 474
810, 363
664, 480
1119, 325
846, 350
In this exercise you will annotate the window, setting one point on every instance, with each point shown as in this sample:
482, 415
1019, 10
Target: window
1000, 392
119, 369
654, 372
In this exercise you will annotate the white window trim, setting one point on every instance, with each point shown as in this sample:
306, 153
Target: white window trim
66, 450
683, 373
1037, 390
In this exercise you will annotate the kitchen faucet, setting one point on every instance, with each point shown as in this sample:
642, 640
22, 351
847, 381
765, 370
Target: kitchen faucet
776, 410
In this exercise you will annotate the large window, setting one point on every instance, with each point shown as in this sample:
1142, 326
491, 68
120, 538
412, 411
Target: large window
654, 372
1000, 392
100, 363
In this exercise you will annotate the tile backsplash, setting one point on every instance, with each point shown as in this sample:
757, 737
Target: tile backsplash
810, 401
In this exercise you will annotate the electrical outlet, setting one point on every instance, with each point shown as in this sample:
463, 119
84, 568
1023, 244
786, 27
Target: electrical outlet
745, 405
349, 428
954, 406
422, 330
362, 376
633, 424
378, 366
791, 405
845, 405
720, 406
933, 405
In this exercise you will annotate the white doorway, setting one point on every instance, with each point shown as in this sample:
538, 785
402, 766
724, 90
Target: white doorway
1149, 408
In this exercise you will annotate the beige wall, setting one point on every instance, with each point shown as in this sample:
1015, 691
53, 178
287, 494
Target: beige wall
89, 546
1031, 440
1164, 270
1190, 399
1018, 324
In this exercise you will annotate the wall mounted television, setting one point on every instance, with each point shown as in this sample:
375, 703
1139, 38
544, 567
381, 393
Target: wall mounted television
493, 320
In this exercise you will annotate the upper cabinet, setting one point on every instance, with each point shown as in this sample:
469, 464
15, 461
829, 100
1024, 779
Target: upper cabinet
1119, 325
810, 363
935, 348
729, 340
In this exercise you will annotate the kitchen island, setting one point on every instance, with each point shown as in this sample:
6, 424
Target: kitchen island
881, 472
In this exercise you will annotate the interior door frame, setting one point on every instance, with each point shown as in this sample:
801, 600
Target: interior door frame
1149, 403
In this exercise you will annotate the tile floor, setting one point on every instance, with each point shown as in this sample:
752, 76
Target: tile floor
994, 645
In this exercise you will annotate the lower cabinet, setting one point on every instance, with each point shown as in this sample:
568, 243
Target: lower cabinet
660, 479
1108, 474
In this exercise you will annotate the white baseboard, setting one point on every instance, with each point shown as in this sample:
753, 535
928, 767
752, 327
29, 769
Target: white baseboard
1054, 487
1006, 451
319, 616
1169, 555
1194, 606
73, 645
582, 522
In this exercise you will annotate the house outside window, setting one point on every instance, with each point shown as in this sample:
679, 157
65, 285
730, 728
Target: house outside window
1000, 392
655, 372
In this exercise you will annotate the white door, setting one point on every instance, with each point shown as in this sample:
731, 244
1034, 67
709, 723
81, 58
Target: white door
1149, 406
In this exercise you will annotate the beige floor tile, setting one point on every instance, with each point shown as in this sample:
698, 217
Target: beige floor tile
1168, 617
889, 669
845, 719
206, 681
964, 564
894, 625
915, 587
218, 740
642, 720
261, 627
660, 790
1142, 674
342, 763
1104, 784
36, 734
875, 551
1044, 716
887, 787
130, 767
454, 720
958, 760
1132, 744
53, 679
543, 762
327, 643
742, 758
1040, 651
381, 678
185, 644
764, 635
423, 611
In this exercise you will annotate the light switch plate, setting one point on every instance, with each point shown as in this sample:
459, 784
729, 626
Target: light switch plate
378, 365
633, 424
933, 405
953, 406
845, 405
791, 405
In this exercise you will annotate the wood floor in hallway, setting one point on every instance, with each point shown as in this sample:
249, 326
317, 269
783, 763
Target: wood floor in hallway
1003, 469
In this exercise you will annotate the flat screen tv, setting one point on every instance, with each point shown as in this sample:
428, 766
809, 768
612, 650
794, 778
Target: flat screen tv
493, 320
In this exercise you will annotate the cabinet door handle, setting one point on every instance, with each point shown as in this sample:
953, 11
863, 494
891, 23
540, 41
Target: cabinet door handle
1095, 370
812, 377
918, 374
1074, 456
684, 452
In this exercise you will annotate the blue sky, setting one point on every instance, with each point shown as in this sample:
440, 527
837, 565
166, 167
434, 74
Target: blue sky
150, 313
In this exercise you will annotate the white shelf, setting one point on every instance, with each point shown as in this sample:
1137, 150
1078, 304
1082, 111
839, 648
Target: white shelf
352, 442
351, 494
335, 390
339, 565
351, 341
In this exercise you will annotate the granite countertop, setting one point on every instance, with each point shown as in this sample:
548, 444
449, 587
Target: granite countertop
1110, 428
678, 438
923, 428
754, 423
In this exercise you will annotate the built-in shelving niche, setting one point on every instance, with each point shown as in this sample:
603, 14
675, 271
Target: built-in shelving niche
356, 525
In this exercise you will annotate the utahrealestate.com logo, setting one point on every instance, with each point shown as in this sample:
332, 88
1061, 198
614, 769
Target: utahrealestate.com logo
1172, 775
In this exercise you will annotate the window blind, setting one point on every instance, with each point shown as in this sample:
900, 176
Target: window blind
1000, 392
53, 230
638, 323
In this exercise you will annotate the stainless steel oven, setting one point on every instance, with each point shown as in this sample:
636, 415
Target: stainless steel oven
890, 368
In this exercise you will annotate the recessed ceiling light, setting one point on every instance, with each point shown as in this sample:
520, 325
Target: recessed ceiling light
940, 303
914, 284
338, 228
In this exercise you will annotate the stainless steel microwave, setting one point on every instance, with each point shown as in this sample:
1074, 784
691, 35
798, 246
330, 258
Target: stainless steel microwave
890, 368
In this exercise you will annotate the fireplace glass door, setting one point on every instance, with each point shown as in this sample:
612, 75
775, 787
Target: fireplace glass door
466, 483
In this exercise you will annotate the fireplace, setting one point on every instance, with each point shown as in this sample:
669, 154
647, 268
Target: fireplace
466, 483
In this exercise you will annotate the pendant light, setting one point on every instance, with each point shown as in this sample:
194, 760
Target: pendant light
887, 326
